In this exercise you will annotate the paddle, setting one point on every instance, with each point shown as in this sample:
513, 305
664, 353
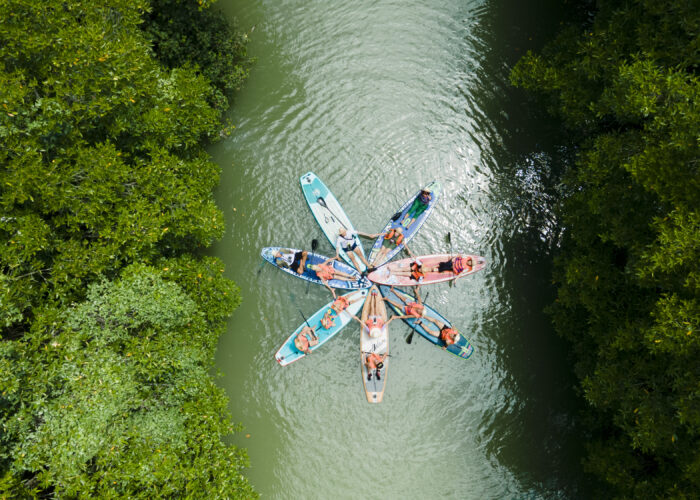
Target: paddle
322, 202
409, 339
314, 246
449, 240
304, 318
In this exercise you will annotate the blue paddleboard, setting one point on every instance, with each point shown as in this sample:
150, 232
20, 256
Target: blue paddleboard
268, 253
461, 348
328, 213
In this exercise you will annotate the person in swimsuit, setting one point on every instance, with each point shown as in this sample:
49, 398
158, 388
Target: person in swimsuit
326, 272
374, 324
419, 205
392, 238
414, 271
294, 261
446, 334
306, 339
346, 240
456, 265
374, 363
338, 306
410, 309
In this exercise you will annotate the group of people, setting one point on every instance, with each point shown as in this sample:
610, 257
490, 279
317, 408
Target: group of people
374, 324
308, 338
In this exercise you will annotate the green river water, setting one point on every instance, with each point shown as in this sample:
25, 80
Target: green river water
378, 98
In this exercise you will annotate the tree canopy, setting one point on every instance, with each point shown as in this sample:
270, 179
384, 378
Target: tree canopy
625, 83
108, 314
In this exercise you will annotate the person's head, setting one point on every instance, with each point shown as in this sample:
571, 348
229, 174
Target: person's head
399, 230
342, 231
470, 262
375, 332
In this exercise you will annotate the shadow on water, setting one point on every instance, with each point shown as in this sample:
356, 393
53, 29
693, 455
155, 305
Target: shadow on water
538, 438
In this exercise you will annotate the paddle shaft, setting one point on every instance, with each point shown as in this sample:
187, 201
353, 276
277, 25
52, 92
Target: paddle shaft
322, 202
314, 246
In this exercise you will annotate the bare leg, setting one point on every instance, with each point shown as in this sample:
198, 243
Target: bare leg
362, 257
353, 259
397, 306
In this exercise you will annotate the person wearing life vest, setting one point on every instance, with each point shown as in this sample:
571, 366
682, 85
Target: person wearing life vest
306, 339
419, 205
410, 309
456, 265
326, 272
374, 363
415, 270
348, 242
340, 304
446, 334
392, 238
374, 324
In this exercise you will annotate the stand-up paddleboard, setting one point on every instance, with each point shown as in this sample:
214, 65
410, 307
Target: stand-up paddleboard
461, 347
281, 258
288, 353
395, 273
329, 214
374, 388
409, 224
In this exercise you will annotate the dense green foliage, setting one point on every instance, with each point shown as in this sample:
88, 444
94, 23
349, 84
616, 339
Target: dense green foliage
109, 319
628, 273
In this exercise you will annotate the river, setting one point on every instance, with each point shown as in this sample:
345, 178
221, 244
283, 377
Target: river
379, 98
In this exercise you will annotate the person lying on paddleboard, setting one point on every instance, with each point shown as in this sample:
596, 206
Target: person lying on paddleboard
305, 340
392, 238
326, 272
446, 333
374, 363
414, 271
419, 205
374, 325
346, 241
456, 265
294, 261
409, 308
338, 306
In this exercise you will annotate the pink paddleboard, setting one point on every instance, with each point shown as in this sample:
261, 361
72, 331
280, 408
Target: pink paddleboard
397, 273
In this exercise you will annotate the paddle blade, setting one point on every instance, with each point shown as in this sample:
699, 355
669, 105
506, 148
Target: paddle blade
395, 217
314, 244
409, 339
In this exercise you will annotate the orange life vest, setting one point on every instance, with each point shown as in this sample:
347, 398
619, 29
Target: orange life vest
372, 360
324, 271
416, 272
414, 309
373, 322
390, 234
448, 335
328, 319
340, 304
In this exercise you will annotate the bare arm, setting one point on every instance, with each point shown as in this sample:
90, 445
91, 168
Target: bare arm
367, 235
325, 283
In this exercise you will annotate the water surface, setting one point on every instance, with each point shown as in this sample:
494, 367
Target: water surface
379, 98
